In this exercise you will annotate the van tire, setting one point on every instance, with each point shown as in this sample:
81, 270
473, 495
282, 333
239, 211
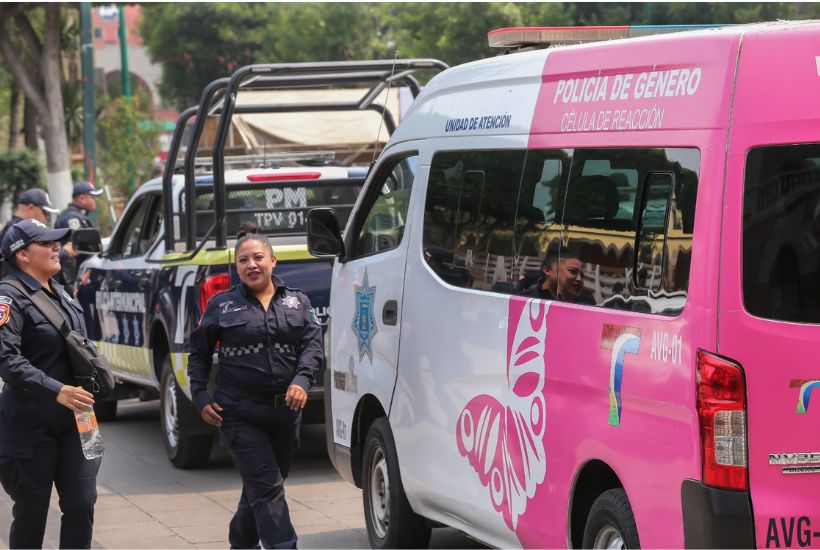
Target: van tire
184, 450
391, 522
105, 410
609, 520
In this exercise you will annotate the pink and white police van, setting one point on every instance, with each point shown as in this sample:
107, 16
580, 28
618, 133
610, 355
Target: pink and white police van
578, 301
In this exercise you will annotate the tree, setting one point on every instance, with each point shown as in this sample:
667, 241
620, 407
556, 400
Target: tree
198, 43
34, 61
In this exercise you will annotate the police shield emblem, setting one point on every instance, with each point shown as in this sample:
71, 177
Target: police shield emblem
5, 310
364, 324
291, 301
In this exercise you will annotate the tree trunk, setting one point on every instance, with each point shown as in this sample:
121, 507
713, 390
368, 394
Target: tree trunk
46, 96
29, 125
14, 117
53, 121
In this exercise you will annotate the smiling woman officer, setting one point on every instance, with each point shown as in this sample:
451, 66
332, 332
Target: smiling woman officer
270, 347
39, 444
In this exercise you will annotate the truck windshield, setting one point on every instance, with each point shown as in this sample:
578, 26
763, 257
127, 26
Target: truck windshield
277, 210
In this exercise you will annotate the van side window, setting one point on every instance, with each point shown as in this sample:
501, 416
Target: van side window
469, 218
538, 221
385, 209
781, 233
604, 205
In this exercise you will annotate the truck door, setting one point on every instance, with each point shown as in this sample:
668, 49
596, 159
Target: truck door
123, 299
367, 294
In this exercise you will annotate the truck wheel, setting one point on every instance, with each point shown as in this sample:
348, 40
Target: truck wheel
391, 523
105, 410
611, 523
184, 450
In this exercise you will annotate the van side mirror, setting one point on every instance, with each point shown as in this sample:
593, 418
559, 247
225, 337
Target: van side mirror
86, 241
324, 238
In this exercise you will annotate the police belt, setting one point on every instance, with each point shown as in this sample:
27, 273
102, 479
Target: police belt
277, 400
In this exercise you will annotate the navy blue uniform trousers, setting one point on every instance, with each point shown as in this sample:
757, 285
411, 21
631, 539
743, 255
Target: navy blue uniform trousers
261, 440
45, 455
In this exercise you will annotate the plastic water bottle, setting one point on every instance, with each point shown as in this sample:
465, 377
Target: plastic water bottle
90, 436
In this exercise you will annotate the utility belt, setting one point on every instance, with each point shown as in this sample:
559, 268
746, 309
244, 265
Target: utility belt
277, 400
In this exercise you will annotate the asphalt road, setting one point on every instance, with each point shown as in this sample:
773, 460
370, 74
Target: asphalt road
144, 502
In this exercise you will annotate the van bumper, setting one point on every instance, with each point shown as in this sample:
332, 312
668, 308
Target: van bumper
716, 518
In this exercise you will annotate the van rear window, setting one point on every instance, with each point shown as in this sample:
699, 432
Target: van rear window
781, 233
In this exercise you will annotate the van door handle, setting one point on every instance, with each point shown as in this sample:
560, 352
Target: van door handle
390, 313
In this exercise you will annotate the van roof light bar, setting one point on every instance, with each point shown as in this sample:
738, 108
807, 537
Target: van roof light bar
521, 37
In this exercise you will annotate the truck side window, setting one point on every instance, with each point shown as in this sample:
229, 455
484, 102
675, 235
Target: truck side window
126, 240
469, 218
385, 209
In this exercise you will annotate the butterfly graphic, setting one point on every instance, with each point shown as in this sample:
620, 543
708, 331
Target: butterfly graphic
503, 437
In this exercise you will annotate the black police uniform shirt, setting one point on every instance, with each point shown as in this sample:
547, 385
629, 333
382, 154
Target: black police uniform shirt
73, 217
33, 364
260, 352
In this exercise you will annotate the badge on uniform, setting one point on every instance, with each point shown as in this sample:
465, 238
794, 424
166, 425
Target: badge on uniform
74, 223
5, 310
291, 301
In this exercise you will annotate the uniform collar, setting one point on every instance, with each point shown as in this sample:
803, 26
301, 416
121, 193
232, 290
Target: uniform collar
277, 282
75, 206
33, 284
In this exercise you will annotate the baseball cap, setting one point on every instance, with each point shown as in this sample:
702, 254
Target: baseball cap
37, 197
25, 232
85, 188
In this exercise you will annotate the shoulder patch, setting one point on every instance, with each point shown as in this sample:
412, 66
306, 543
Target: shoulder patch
74, 223
5, 310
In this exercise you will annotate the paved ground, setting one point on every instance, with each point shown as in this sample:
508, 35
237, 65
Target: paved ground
146, 503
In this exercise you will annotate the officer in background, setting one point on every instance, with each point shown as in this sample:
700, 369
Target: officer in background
270, 349
32, 204
39, 443
75, 216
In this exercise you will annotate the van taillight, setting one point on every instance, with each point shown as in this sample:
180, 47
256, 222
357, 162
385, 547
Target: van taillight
213, 285
722, 413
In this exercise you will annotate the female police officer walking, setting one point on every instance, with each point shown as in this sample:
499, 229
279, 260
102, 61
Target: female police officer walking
269, 350
39, 443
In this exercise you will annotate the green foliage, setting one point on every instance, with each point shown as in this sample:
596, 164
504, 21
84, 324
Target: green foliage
20, 170
126, 144
198, 43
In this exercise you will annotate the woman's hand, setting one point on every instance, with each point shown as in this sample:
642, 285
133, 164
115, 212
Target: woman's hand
296, 398
210, 414
75, 398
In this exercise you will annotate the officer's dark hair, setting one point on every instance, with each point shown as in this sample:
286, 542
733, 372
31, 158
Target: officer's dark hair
557, 252
249, 231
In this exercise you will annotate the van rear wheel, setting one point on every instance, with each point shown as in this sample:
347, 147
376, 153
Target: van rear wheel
391, 522
184, 450
611, 523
